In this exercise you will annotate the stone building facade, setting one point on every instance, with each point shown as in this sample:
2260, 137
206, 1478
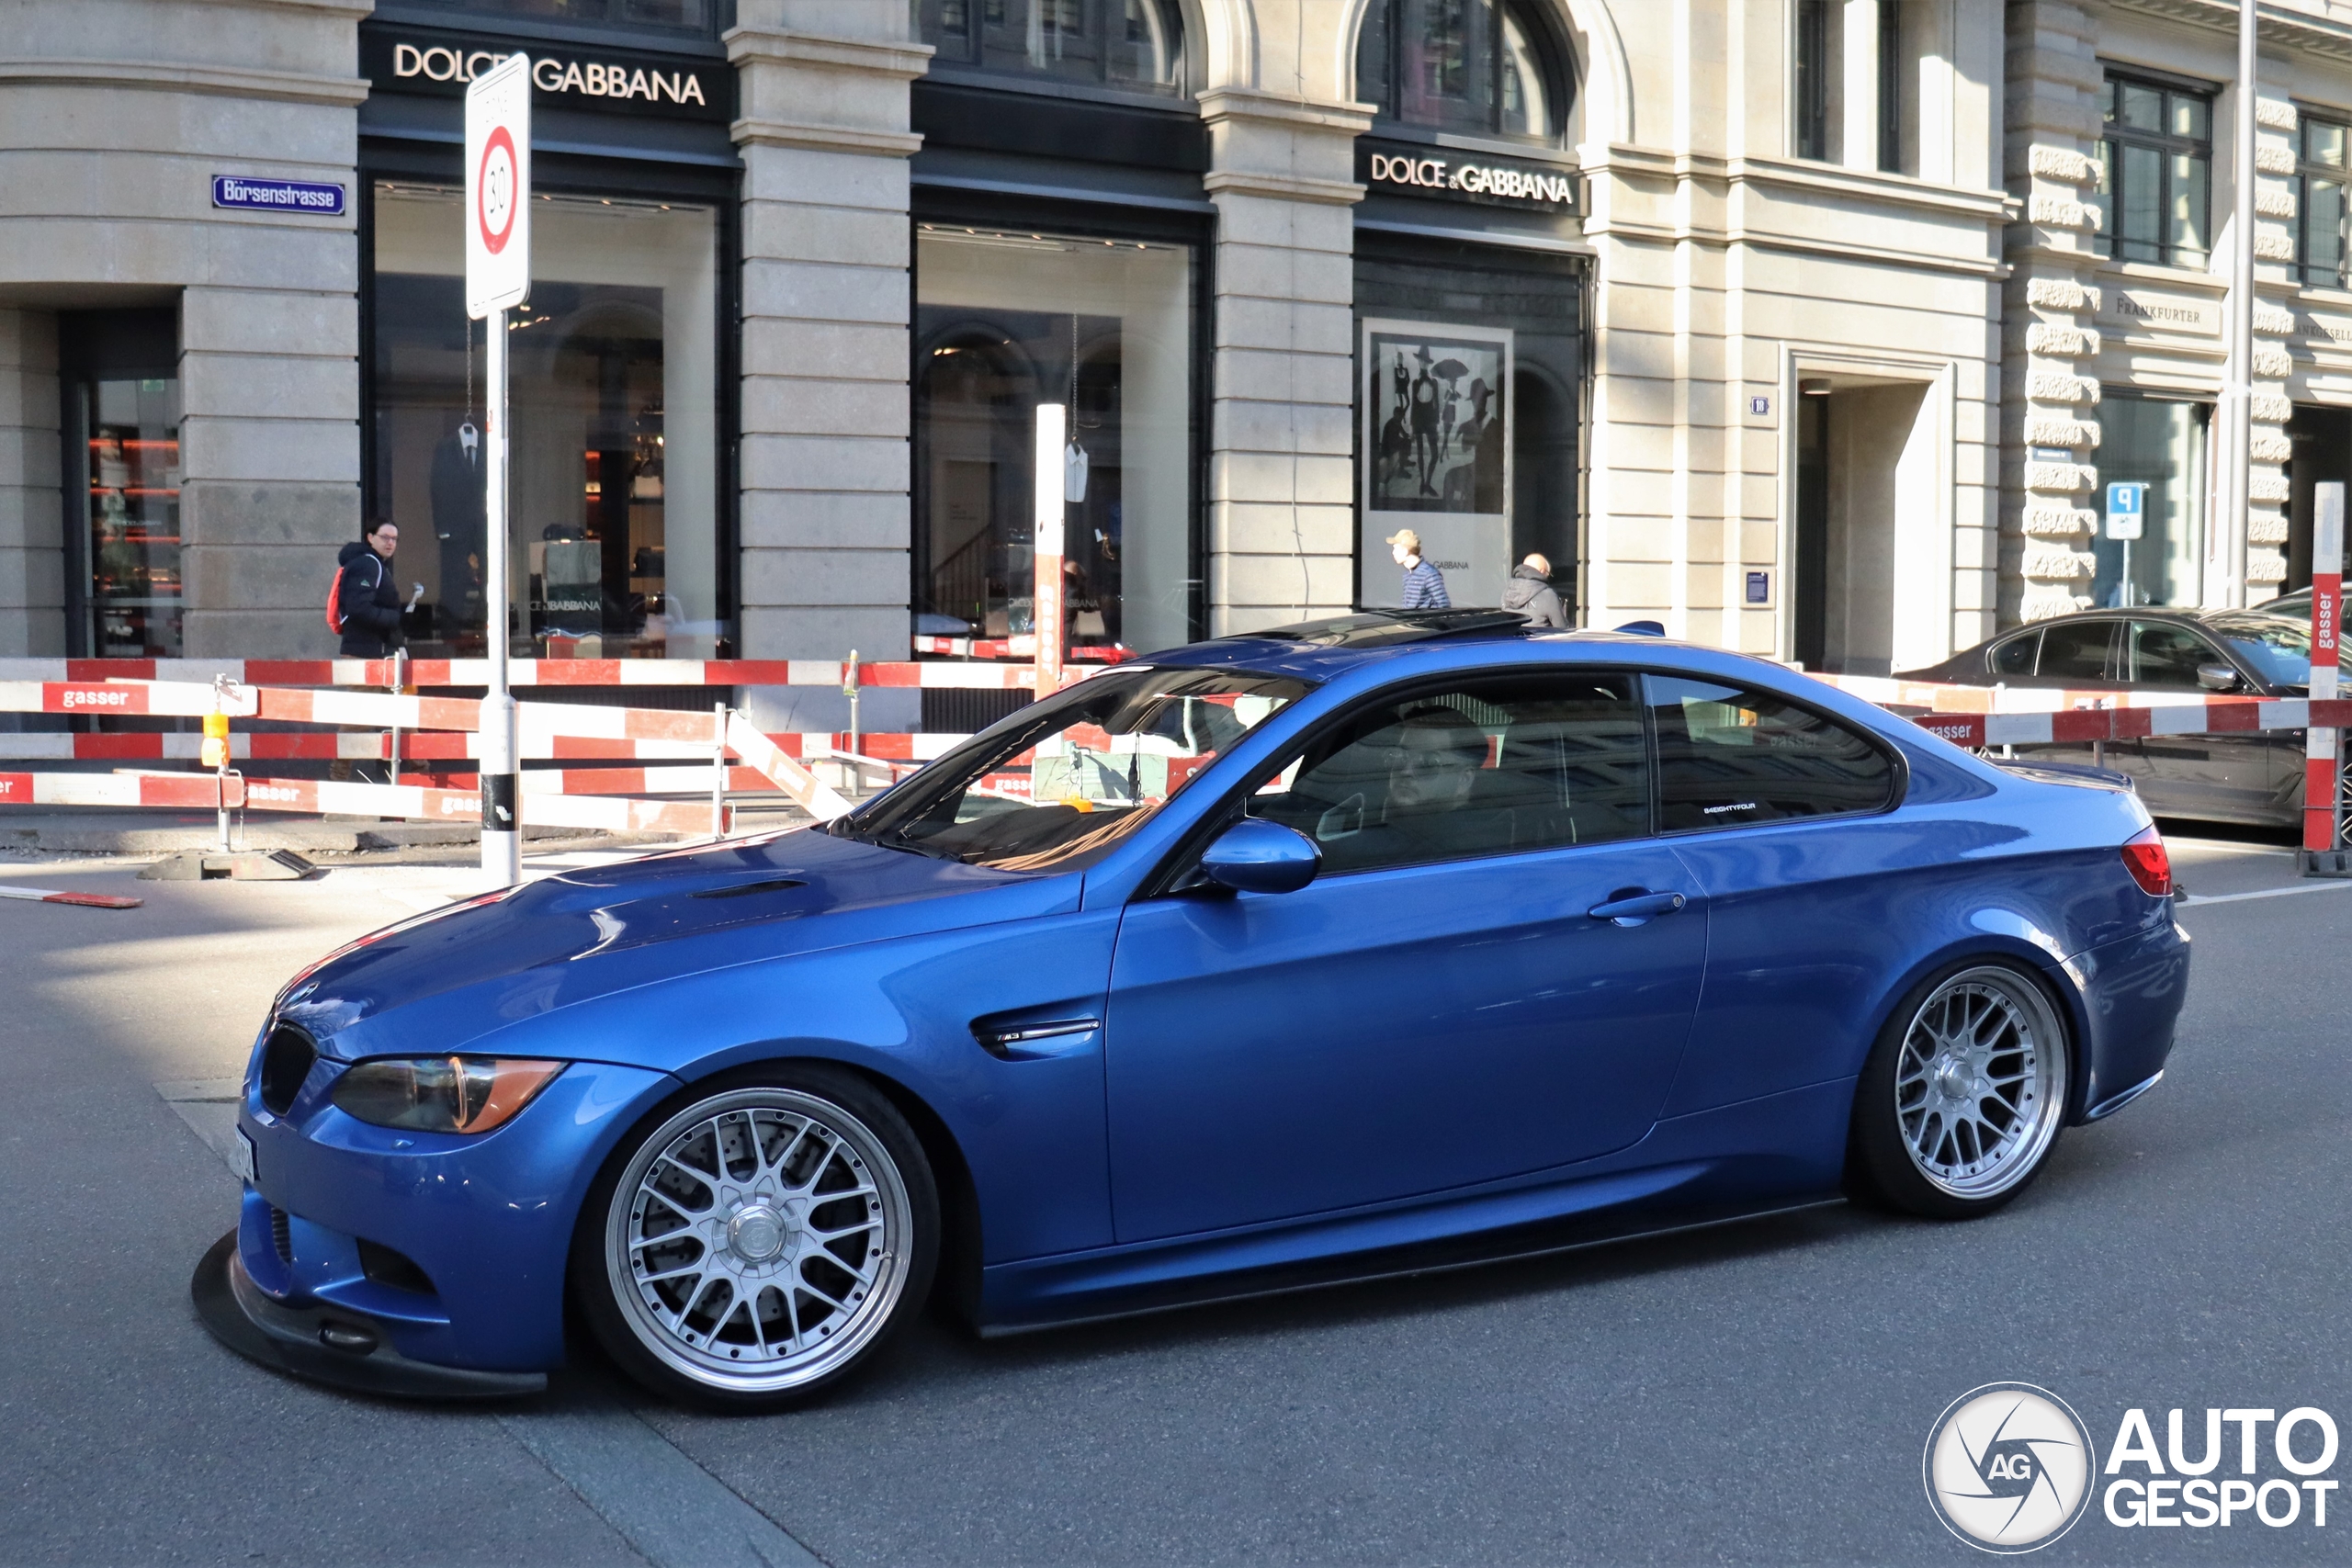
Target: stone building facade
1800, 326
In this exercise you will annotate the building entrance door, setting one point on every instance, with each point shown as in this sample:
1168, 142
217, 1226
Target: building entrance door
1866, 480
2323, 449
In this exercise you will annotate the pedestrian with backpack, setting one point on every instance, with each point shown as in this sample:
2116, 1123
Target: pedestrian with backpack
364, 606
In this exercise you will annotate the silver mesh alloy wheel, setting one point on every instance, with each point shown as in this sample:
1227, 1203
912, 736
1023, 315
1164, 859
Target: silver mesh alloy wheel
758, 1240
1981, 1083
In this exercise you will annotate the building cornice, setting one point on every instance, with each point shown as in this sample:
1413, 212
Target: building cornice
2297, 31
868, 57
1770, 239
1250, 103
217, 81
1823, 179
1283, 187
825, 137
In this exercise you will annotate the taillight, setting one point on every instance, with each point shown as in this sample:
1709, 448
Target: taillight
2151, 867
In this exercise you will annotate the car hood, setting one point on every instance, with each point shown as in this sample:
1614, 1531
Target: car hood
459, 975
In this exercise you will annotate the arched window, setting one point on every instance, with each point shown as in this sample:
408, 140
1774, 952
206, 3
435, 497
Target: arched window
1491, 67
1125, 43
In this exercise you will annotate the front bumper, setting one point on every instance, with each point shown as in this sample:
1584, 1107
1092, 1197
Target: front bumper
331, 1345
487, 1220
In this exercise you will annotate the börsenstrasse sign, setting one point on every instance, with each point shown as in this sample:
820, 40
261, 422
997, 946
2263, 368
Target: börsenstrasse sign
1551, 190
278, 196
445, 64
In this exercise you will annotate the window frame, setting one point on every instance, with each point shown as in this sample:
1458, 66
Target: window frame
2114, 136
1179, 874
1557, 56
961, 58
2307, 169
1899, 783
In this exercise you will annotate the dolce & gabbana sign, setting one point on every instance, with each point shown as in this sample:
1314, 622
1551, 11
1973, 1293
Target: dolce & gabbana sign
442, 64
1470, 179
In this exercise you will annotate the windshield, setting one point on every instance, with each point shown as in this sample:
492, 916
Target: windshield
1058, 784
2279, 649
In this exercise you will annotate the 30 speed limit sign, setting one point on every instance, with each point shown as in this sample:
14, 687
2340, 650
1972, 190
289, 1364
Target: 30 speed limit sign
498, 188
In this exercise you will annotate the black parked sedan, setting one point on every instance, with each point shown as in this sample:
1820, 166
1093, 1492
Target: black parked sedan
2249, 778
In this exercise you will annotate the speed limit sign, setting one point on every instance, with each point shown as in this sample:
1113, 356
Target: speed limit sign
498, 188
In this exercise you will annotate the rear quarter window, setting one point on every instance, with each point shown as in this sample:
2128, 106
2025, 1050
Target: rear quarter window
1731, 757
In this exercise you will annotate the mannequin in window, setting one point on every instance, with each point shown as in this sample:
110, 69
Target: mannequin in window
459, 520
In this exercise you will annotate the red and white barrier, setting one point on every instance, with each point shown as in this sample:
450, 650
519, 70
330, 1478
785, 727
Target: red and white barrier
379, 672
176, 792
88, 900
2018, 715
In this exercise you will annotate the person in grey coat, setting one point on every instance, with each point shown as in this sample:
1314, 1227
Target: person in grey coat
1530, 591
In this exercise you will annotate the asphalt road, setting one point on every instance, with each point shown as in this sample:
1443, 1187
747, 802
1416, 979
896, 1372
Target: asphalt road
1755, 1393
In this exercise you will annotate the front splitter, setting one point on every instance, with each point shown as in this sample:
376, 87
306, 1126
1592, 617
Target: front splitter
285, 1339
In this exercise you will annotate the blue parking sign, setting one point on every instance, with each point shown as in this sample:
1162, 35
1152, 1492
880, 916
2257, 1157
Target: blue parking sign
2126, 508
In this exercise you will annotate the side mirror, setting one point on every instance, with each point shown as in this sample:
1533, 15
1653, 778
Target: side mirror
2217, 677
1253, 856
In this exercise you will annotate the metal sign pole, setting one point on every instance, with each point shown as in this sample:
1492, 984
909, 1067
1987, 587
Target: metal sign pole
1052, 501
498, 277
2322, 793
501, 857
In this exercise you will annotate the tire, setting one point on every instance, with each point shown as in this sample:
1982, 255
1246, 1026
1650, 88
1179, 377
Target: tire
1964, 1095
739, 1302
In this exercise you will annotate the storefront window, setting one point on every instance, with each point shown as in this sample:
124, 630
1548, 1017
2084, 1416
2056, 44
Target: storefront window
612, 380
2156, 172
1005, 322
1488, 67
131, 488
2162, 446
1130, 43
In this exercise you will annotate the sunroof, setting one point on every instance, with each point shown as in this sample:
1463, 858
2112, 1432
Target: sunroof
1381, 628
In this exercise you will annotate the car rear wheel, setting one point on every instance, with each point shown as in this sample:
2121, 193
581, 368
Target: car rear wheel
758, 1242
1960, 1101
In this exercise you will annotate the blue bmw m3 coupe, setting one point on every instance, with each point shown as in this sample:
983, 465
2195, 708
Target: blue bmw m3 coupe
1374, 944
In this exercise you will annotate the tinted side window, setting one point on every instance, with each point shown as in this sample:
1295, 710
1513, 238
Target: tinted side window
1490, 767
2013, 659
2076, 650
2166, 655
1729, 757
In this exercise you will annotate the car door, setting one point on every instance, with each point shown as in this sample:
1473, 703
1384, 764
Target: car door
1439, 1006
1780, 813
2198, 774
2074, 655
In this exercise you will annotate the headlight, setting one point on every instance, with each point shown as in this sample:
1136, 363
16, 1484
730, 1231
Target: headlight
442, 1094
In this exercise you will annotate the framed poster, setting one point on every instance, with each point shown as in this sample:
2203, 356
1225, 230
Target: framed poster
1436, 441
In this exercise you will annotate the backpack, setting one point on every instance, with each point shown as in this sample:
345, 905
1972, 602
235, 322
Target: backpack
334, 600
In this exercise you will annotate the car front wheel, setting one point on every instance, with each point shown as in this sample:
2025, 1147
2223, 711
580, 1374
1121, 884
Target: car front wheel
1961, 1100
761, 1241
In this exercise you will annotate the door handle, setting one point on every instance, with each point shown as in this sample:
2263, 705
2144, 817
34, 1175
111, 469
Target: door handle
1632, 907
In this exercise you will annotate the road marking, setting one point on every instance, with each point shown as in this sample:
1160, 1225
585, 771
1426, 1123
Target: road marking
676, 1513
2189, 900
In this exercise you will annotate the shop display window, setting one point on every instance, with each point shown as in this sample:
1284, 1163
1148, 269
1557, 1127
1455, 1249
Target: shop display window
1491, 66
2162, 445
131, 516
612, 378
1006, 322
1127, 43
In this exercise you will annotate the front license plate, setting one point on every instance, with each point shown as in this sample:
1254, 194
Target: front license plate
241, 1156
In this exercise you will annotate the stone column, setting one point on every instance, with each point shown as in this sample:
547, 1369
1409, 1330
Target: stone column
2274, 255
1282, 448
32, 538
2052, 128
827, 306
